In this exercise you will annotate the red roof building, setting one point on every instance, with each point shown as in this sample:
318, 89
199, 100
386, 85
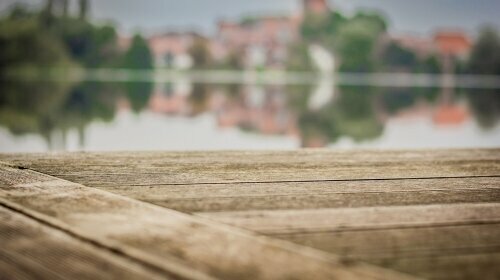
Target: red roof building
450, 114
454, 43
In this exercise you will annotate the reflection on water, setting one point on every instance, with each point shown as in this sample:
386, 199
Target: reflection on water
39, 116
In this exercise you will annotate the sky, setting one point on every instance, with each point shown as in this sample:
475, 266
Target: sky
405, 16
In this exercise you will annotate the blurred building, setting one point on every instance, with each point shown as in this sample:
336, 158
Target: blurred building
445, 43
453, 43
450, 114
171, 50
315, 6
171, 98
263, 41
260, 41
453, 46
448, 46
421, 46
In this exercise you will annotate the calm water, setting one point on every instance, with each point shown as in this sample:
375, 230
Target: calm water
42, 116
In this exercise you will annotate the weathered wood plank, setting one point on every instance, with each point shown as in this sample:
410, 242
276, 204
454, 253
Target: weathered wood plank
331, 219
394, 243
460, 267
169, 240
153, 168
30, 250
325, 194
434, 241
435, 249
463, 239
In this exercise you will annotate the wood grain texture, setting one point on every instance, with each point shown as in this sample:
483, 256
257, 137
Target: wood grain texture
31, 250
174, 242
328, 219
324, 194
430, 213
461, 239
166, 168
450, 252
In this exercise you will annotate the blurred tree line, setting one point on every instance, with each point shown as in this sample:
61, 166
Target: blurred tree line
44, 107
361, 44
53, 36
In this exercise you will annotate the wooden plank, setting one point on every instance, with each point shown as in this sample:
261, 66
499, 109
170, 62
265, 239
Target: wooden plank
457, 241
31, 250
330, 219
395, 243
164, 168
325, 194
460, 267
168, 240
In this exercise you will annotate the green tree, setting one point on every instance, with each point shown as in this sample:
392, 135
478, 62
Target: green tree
54, 35
24, 43
138, 56
84, 8
395, 57
321, 28
138, 94
356, 39
430, 65
485, 56
352, 39
90, 45
355, 45
485, 104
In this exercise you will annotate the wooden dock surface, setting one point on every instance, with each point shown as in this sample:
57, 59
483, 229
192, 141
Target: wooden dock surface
306, 214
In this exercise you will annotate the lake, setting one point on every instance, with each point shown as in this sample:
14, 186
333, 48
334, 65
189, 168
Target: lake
187, 114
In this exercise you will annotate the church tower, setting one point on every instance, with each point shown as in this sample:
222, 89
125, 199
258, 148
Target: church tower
315, 6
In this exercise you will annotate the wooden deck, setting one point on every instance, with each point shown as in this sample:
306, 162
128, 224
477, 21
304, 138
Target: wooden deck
308, 214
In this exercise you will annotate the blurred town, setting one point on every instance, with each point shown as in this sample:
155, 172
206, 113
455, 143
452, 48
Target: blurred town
300, 41
283, 42
318, 38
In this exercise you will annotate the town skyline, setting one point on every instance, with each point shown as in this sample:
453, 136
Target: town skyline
403, 16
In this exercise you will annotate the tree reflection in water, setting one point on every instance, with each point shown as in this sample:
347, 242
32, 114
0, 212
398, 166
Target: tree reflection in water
357, 113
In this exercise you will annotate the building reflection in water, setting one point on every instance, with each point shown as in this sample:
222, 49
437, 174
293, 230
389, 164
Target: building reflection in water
316, 115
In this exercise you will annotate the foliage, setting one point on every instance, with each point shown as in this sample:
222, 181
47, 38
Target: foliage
485, 105
430, 65
51, 37
84, 8
352, 39
92, 46
485, 56
352, 114
395, 57
321, 28
356, 41
138, 94
23, 42
138, 56
43, 107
